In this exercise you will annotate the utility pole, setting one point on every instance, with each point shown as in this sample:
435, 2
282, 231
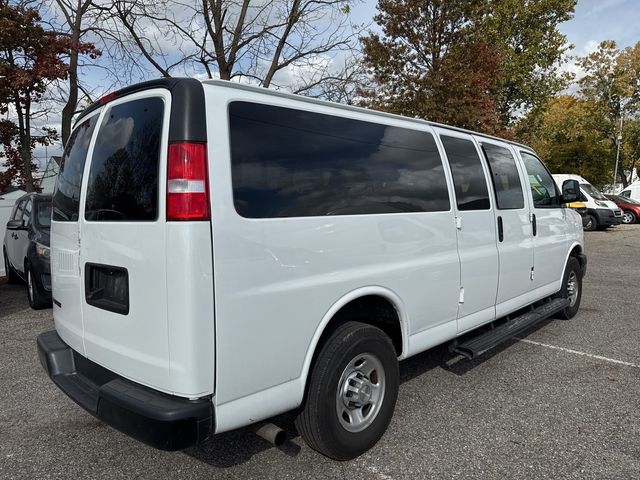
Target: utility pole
615, 171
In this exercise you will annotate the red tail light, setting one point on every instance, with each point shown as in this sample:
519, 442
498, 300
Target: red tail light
187, 182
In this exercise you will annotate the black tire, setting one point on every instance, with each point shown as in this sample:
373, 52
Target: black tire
629, 217
591, 223
319, 422
573, 272
37, 299
12, 276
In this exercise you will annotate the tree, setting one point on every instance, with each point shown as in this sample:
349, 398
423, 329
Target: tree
531, 48
30, 60
233, 39
73, 27
428, 63
567, 137
476, 63
612, 80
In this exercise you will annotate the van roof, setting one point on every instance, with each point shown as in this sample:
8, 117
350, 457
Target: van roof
171, 83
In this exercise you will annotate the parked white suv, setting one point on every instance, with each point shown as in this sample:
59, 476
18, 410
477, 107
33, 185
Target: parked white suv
222, 254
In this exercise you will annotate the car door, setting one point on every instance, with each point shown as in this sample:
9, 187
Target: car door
477, 240
12, 236
547, 226
65, 236
513, 226
22, 238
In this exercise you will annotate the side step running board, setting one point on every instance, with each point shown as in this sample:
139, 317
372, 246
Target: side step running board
486, 341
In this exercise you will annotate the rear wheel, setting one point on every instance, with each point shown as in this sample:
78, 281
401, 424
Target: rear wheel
629, 217
37, 299
571, 289
352, 392
12, 276
590, 223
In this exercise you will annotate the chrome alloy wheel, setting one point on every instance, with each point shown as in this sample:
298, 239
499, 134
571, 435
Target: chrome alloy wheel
627, 217
360, 392
572, 288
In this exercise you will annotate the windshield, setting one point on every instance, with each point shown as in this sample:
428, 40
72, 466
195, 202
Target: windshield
43, 214
592, 191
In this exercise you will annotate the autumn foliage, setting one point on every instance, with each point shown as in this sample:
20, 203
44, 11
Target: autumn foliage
31, 59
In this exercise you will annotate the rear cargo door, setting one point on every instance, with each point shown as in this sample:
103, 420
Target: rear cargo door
65, 235
123, 237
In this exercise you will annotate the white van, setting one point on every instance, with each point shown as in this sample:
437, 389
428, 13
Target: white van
223, 253
601, 212
632, 191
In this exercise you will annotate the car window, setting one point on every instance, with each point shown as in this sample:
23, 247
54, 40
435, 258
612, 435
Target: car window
468, 175
66, 197
17, 214
43, 214
543, 187
626, 193
505, 178
26, 216
123, 176
296, 163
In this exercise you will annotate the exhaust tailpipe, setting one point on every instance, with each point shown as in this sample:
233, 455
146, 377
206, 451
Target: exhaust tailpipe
272, 434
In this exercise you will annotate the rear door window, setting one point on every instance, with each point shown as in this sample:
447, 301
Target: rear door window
66, 198
468, 175
504, 175
124, 172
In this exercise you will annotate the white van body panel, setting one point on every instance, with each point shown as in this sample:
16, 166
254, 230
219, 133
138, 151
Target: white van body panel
66, 278
632, 191
261, 264
234, 309
477, 249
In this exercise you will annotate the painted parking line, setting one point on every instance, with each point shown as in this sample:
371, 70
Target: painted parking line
577, 352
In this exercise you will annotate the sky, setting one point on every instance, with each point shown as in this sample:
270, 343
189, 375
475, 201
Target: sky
594, 21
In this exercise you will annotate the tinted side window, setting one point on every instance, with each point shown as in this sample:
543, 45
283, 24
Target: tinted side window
66, 197
27, 212
17, 214
468, 176
504, 174
43, 214
543, 187
123, 177
626, 193
294, 163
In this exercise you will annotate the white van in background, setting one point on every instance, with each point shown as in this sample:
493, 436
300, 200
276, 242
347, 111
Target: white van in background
222, 254
632, 191
601, 212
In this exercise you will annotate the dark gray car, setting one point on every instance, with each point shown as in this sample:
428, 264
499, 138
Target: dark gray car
26, 247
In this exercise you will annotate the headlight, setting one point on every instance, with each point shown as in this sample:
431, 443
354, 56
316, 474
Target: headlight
601, 204
42, 250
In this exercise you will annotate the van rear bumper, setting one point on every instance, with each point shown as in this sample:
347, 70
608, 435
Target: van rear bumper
163, 421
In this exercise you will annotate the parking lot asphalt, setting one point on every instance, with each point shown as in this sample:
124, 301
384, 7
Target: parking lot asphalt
563, 402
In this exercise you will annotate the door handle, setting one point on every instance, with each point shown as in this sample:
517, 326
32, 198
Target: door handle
500, 230
534, 225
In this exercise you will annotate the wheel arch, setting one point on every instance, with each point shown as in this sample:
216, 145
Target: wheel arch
339, 313
576, 250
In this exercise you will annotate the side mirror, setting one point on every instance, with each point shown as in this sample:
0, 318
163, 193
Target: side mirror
15, 225
570, 191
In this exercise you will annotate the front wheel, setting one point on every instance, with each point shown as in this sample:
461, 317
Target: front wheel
571, 289
352, 391
37, 300
590, 223
628, 217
